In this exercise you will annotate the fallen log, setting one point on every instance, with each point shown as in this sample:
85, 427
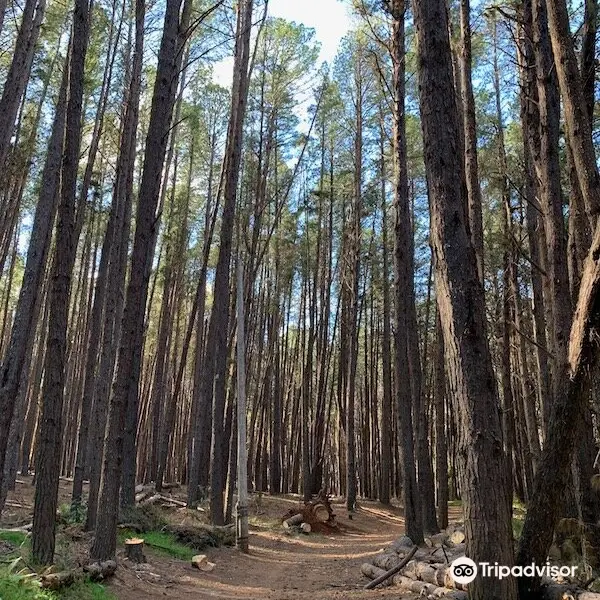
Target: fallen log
371, 571
392, 571
171, 486
551, 590
410, 585
295, 520
436, 574
305, 527
57, 581
174, 501
436, 541
101, 570
150, 500
386, 561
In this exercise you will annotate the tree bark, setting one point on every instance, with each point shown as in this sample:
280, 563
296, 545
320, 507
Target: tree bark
462, 310
215, 365
50, 435
130, 348
39, 246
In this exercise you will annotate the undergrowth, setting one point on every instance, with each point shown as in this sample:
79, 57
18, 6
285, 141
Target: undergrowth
163, 542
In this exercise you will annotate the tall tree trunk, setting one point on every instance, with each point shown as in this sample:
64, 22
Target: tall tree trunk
575, 107
441, 445
50, 434
24, 324
462, 311
403, 284
215, 365
125, 386
386, 405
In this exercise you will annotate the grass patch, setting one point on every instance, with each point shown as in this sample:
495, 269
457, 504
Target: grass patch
18, 584
262, 523
85, 590
14, 586
16, 538
165, 543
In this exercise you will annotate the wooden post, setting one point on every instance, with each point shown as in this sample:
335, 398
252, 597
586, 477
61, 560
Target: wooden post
241, 529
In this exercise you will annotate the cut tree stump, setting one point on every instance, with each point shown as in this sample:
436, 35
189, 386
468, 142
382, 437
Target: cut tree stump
134, 550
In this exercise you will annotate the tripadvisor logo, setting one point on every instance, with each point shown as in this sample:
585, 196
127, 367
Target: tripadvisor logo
464, 570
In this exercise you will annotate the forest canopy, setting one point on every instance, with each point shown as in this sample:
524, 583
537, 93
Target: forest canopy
414, 227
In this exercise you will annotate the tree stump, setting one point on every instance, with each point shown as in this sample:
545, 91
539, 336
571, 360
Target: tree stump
134, 550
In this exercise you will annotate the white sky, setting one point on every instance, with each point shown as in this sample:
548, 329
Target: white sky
330, 19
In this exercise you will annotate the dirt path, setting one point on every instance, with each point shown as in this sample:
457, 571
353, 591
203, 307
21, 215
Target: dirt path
279, 567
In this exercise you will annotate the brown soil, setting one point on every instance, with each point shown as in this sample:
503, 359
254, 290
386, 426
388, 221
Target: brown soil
280, 565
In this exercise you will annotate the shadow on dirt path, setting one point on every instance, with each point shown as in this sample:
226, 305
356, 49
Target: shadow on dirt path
279, 566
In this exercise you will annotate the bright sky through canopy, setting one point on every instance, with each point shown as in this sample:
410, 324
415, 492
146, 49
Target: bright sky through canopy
329, 18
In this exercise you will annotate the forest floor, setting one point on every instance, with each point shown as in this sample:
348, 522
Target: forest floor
280, 565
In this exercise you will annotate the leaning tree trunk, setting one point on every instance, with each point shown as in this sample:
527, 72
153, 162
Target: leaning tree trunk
462, 310
18, 73
39, 245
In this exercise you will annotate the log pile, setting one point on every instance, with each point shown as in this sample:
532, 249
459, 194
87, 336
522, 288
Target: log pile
427, 572
315, 515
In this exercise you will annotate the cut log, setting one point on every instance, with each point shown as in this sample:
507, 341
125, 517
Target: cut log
101, 570
134, 550
372, 572
295, 520
171, 486
386, 561
457, 537
305, 527
392, 571
418, 587
201, 562
57, 581
151, 500
321, 513
437, 540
